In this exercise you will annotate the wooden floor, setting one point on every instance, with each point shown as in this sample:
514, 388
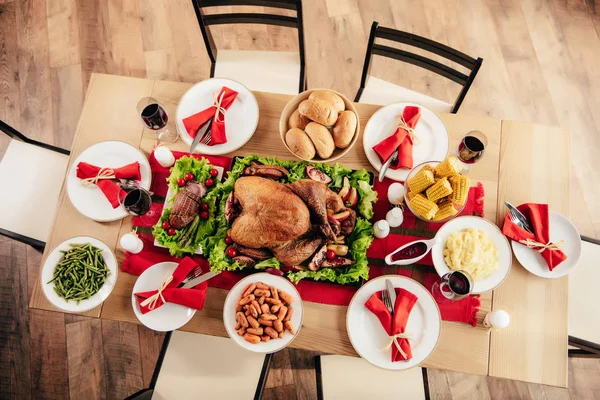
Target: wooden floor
540, 65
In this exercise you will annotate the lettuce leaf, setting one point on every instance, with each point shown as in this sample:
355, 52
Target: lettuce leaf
200, 168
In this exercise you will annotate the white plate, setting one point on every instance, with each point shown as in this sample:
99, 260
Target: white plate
495, 235
170, 203
169, 316
432, 144
241, 118
560, 229
368, 336
54, 258
233, 297
89, 200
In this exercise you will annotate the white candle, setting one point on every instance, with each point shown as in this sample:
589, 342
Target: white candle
132, 243
381, 229
164, 156
396, 193
496, 319
394, 217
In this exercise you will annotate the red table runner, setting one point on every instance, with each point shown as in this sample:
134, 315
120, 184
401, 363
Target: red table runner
318, 292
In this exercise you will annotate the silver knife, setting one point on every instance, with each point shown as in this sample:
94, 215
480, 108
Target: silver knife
386, 165
200, 134
196, 281
519, 215
392, 293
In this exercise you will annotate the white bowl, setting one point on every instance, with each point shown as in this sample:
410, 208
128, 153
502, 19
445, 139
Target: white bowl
54, 258
233, 297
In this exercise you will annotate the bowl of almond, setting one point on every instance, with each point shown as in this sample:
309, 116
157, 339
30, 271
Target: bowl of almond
263, 313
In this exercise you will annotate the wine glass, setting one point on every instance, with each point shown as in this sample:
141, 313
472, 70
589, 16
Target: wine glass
137, 201
452, 286
154, 116
471, 147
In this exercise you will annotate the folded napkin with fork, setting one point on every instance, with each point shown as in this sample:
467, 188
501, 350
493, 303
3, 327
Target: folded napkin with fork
104, 178
168, 291
540, 239
217, 111
401, 139
395, 328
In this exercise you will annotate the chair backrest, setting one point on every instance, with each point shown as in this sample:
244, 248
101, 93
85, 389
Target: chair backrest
16, 135
584, 320
465, 80
205, 21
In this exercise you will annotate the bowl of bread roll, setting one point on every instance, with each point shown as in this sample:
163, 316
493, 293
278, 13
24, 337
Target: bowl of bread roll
319, 125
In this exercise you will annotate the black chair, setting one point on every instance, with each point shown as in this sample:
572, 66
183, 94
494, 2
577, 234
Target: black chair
195, 366
584, 319
377, 91
31, 175
342, 377
270, 71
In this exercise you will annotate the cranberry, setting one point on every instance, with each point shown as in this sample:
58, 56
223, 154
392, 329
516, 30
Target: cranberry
189, 176
209, 182
180, 182
214, 172
171, 231
166, 225
228, 240
204, 206
231, 252
331, 254
204, 215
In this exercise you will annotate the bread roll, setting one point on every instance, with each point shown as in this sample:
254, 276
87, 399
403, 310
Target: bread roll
300, 143
321, 138
298, 121
344, 129
327, 95
319, 111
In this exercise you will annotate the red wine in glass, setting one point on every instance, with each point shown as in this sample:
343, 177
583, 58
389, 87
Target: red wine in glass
471, 147
455, 285
154, 116
137, 202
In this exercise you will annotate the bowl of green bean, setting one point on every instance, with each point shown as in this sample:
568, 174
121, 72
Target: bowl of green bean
79, 274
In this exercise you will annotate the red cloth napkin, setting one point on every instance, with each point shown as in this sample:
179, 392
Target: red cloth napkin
193, 297
194, 122
400, 140
405, 302
110, 188
538, 215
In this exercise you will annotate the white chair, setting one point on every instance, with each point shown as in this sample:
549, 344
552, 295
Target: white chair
267, 71
31, 176
584, 318
377, 91
347, 378
194, 366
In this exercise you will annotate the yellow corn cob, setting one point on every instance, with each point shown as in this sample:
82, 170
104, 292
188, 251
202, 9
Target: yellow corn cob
428, 167
449, 167
421, 181
445, 210
410, 195
460, 189
424, 207
439, 189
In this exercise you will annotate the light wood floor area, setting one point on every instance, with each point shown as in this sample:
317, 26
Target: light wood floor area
541, 61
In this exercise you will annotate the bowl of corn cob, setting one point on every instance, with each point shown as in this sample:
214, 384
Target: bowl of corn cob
436, 190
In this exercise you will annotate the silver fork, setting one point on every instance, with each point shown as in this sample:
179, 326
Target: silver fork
515, 220
194, 273
385, 297
206, 139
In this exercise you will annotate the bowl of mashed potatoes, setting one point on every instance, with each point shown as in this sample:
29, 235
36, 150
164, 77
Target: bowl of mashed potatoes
474, 245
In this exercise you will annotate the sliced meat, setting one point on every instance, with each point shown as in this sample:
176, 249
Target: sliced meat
348, 224
187, 204
257, 254
266, 171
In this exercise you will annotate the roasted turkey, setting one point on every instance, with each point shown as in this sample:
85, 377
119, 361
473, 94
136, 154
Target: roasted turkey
290, 221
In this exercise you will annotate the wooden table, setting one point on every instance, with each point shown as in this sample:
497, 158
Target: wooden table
523, 162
